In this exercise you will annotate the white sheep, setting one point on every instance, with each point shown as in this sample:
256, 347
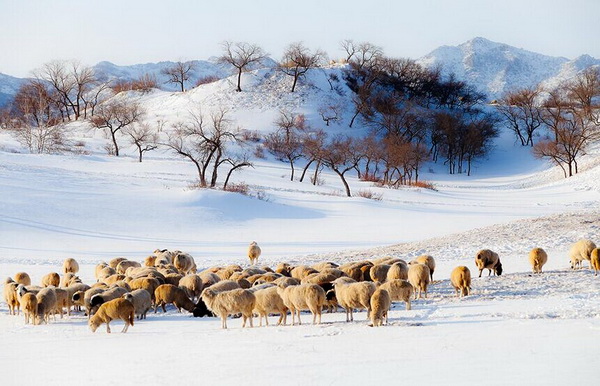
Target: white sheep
379, 272
487, 259
418, 277
303, 297
580, 251
124, 264
118, 308
254, 252
10, 296
460, 277
70, 265
105, 296
184, 262
353, 295
29, 307
46, 302
595, 260
113, 263
428, 260
268, 301
399, 290
51, 279
192, 285
163, 256
380, 305
537, 258
398, 270
141, 300
230, 302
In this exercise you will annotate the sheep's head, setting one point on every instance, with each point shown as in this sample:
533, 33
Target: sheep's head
94, 323
498, 269
96, 300
77, 296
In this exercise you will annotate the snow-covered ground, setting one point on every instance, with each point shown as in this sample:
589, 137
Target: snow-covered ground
515, 329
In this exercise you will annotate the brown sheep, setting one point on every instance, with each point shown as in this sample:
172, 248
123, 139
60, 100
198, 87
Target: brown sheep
113, 263
380, 305
29, 307
378, 273
461, 280
10, 296
70, 265
22, 278
52, 278
168, 293
429, 261
595, 260
399, 290
118, 308
487, 259
418, 277
398, 270
230, 302
150, 284
537, 258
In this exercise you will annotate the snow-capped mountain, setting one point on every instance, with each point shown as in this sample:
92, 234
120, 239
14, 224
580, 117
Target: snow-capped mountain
495, 68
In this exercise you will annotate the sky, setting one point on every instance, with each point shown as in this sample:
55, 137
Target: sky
124, 32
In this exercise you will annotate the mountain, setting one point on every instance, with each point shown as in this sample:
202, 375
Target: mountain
494, 68
9, 85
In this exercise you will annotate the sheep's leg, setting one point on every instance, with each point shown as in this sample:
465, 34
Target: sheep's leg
108, 326
299, 321
163, 304
480, 271
266, 319
251, 323
224, 321
126, 326
293, 315
351, 314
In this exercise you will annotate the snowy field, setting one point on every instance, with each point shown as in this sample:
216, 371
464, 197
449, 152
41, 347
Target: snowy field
515, 329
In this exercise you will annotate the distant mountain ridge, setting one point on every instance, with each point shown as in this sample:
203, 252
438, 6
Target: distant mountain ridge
495, 68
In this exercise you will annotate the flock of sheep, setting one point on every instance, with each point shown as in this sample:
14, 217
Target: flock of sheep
126, 288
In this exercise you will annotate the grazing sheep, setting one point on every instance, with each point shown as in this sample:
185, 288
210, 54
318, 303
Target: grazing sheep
380, 305
353, 295
302, 271
163, 256
105, 296
399, 290
69, 279
398, 270
226, 272
330, 300
112, 279
192, 285
82, 298
50, 279
366, 272
173, 278
71, 290
595, 260
114, 309
123, 265
325, 265
105, 273
150, 284
70, 265
319, 278
62, 301
283, 269
243, 283
230, 302
268, 277
22, 278
209, 278
253, 252
461, 280
487, 259
353, 271
46, 304
537, 258
268, 301
114, 263
10, 296
29, 307
141, 300
418, 277
303, 297
150, 261
429, 261
201, 310
286, 281
379, 273
580, 251
168, 293
184, 262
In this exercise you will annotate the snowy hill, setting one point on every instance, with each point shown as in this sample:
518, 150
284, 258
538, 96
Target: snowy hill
9, 85
495, 68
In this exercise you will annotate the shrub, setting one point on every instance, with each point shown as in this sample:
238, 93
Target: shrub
370, 195
241, 188
423, 184
144, 83
206, 80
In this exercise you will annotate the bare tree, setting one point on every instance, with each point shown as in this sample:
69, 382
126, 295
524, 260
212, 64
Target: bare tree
298, 59
241, 55
584, 91
236, 164
362, 55
98, 93
179, 73
521, 111
313, 144
115, 116
330, 112
286, 142
342, 155
143, 137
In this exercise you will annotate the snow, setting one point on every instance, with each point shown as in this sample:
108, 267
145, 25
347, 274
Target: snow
517, 328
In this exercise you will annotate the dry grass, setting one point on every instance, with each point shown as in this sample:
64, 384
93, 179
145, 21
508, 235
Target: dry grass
365, 193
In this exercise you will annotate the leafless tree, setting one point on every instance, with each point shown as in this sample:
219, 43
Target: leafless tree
341, 155
98, 93
521, 111
179, 73
143, 137
286, 142
361, 55
236, 163
298, 59
241, 55
313, 145
584, 92
330, 112
115, 116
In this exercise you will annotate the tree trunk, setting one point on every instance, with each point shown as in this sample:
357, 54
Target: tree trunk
239, 88
295, 80
353, 118
346, 186
292, 167
114, 139
305, 169
314, 181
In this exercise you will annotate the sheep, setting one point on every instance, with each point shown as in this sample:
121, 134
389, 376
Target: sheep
209, 278
46, 304
22, 278
303, 297
595, 260
265, 277
254, 252
71, 290
429, 261
69, 279
150, 261
201, 310
173, 278
163, 256
112, 293
29, 307
398, 270
124, 264
268, 301
399, 289
379, 273
319, 278
10, 296
230, 302
250, 271
70, 265
141, 300
330, 300
366, 272
113, 263
353, 295
487, 259
118, 308
352, 271
302, 271
461, 280
286, 281
325, 265
184, 262
168, 293
192, 285
537, 258
82, 298
389, 260
580, 251
150, 284
62, 301
50, 279
380, 305
283, 269
112, 279
418, 277
105, 273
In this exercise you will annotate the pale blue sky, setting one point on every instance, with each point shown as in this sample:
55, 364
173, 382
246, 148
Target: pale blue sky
139, 31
